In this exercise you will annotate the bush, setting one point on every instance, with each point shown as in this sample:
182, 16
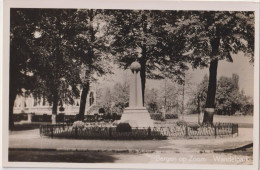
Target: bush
78, 124
19, 117
194, 126
181, 123
60, 117
61, 109
41, 118
69, 119
101, 110
156, 116
171, 116
46, 118
123, 127
115, 116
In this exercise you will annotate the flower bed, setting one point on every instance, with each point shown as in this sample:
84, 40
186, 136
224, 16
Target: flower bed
80, 130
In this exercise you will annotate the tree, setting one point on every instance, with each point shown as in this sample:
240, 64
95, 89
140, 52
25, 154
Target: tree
228, 95
139, 35
59, 53
91, 49
229, 99
21, 76
115, 98
71, 53
120, 93
58, 72
212, 36
152, 100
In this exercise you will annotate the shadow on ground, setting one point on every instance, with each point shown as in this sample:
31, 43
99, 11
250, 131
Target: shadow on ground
60, 156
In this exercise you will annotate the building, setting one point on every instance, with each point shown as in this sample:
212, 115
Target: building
41, 106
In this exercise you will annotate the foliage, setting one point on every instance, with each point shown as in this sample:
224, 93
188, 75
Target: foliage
114, 99
152, 100
139, 35
21, 73
234, 30
56, 45
199, 95
182, 123
123, 127
211, 36
229, 99
158, 116
90, 49
78, 124
49, 59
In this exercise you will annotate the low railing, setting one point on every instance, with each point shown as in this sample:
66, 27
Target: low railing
99, 132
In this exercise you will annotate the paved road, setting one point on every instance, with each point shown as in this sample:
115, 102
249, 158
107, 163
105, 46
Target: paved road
112, 157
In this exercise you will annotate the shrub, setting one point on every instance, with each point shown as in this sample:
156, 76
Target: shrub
61, 109
101, 110
46, 118
115, 116
60, 117
19, 117
194, 126
123, 127
171, 116
156, 116
78, 124
181, 123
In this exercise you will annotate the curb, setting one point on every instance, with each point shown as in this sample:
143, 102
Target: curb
235, 149
84, 150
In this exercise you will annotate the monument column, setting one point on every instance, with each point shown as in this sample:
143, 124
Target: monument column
136, 114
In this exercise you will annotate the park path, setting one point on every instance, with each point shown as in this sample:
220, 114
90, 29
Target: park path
31, 139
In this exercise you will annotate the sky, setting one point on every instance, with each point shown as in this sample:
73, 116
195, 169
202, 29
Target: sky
240, 66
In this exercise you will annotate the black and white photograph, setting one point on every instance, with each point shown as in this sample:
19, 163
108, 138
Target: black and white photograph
138, 86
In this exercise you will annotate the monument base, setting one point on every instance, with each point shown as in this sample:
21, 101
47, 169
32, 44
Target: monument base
137, 117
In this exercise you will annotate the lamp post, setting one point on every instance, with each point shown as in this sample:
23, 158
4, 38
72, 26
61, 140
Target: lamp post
198, 109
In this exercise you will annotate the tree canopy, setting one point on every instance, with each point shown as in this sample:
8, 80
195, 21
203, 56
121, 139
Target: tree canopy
140, 36
212, 36
54, 51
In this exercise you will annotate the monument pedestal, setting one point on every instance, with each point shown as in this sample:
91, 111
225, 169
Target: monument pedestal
137, 117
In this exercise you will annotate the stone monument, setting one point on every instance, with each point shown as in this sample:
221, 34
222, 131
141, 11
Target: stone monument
136, 114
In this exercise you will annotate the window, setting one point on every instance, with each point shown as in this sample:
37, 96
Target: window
91, 98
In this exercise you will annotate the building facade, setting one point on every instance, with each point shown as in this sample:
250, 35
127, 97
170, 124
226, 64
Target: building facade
29, 104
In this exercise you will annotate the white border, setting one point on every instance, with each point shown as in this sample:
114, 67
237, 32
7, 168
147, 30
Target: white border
128, 4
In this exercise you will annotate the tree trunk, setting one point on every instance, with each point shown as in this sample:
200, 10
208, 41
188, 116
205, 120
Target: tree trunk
143, 70
83, 101
54, 107
182, 107
143, 58
13, 86
212, 86
11, 107
85, 90
210, 102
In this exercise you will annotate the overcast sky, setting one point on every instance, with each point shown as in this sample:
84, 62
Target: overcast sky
240, 66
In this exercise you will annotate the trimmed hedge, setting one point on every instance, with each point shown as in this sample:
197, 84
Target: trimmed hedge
167, 116
123, 127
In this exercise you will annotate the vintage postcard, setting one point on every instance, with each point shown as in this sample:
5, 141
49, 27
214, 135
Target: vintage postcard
131, 84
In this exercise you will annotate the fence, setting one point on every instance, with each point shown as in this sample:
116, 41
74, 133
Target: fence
67, 131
